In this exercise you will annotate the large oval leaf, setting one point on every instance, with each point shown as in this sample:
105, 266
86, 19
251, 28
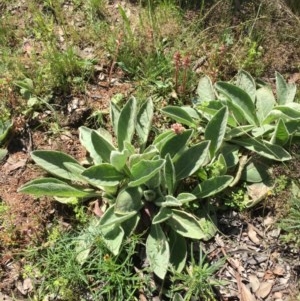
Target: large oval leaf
85, 137
53, 162
102, 147
205, 90
240, 100
177, 143
170, 174
212, 186
144, 170
114, 116
126, 123
281, 134
255, 171
113, 238
285, 92
178, 251
158, 252
265, 149
163, 214
110, 219
246, 82
144, 120
179, 115
129, 200
191, 160
103, 175
265, 102
55, 187
185, 224
215, 130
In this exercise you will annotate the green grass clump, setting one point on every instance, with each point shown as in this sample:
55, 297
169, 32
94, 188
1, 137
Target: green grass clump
104, 277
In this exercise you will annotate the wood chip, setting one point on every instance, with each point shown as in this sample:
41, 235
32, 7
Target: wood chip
254, 283
252, 235
246, 295
264, 289
279, 270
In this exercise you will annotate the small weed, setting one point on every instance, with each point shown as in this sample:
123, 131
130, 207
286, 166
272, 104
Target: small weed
104, 277
198, 280
238, 199
291, 222
281, 183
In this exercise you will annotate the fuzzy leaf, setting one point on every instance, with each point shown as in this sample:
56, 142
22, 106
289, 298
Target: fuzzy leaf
85, 137
191, 160
185, 197
53, 162
168, 201
114, 116
265, 102
55, 187
163, 214
144, 120
281, 135
255, 171
212, 186
109, 218
103, 175
148, 154
205, 90
265, 149
178, 251
158, 252
179, 115
170, 175
238, 131
230, 153
185, 224
285, 92
129, 200
240, 100
162, 139
177, 143
119, 159
126, 123
246, 82
215, 130
144, 170
113, 238
102, 147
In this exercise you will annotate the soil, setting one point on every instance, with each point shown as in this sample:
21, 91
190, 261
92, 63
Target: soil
252, 239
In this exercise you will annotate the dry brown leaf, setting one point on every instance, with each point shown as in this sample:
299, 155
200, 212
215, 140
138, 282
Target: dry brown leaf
268, 221
294, 78
142, 297
269, 275
258, 191
97, 210
254, 283
12, 164
252, 234
25, 287
279, 270
264, 289
277, 295
246, 295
